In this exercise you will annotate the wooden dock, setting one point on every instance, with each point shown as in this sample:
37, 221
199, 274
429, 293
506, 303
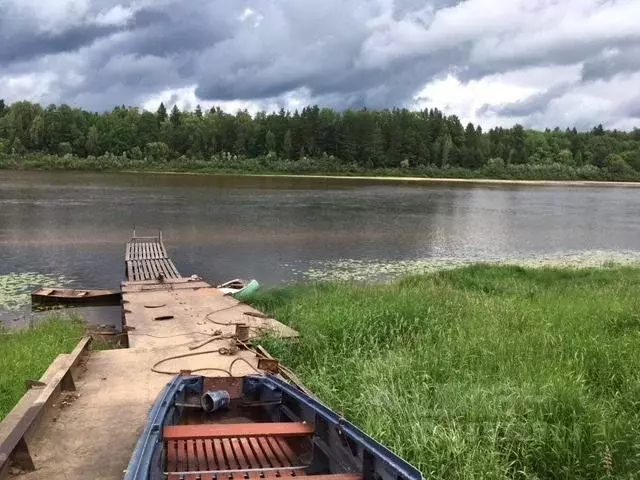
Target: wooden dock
174, 323
146, 259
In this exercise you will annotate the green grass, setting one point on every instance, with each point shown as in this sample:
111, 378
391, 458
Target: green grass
481, 372
25, 355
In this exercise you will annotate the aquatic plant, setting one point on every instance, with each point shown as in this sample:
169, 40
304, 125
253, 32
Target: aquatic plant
374, 271
16, 288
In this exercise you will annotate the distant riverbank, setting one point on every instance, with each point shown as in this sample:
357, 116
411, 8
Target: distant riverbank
412, 179
494, 173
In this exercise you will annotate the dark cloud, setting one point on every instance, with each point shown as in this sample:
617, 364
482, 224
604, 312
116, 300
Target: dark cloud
374, 53
591, 51
156, 49
27, 45
609, 64
630, 108
186, 27
532, 104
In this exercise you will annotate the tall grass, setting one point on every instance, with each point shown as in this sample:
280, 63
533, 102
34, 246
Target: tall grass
481, 372
26, 354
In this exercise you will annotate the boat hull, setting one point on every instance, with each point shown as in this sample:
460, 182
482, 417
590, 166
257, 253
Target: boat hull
292, 425
76, 297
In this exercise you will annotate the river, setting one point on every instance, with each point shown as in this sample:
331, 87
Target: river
73, 226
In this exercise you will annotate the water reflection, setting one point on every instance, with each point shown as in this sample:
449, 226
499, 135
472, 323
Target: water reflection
222, 227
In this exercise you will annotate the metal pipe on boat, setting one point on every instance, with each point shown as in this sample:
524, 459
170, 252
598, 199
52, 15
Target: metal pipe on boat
215, 400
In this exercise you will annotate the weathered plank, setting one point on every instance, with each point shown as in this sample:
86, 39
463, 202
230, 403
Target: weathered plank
172, 268
166, 272
154, 269
145, 271
286, 429
29, 410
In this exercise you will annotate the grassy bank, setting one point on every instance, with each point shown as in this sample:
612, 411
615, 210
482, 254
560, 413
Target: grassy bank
27, 354
325, 166
480, 372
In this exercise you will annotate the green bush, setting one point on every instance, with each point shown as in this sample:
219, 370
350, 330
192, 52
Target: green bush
157, 158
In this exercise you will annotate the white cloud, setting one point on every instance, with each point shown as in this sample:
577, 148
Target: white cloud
465, 99
246, 14
250, 15
117, 15
185, 98
29, 86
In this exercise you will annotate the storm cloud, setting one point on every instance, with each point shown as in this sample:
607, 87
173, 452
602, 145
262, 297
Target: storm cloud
538, 62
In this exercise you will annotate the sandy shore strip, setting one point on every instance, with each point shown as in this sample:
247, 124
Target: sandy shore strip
427, 180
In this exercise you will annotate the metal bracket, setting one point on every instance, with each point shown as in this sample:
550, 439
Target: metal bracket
270, 365
29, 384
22, 458
67, 384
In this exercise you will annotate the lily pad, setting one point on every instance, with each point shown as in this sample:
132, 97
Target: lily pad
375, 271
16, 288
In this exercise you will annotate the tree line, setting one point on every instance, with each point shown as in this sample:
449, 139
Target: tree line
366, 139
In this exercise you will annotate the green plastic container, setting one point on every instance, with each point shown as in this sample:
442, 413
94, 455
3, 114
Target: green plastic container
252, 287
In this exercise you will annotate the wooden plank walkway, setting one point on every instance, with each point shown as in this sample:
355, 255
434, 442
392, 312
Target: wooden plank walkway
146, 259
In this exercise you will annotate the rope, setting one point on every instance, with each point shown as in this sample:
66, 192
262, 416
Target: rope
213, 338
221, 350
193, 354
240, 359
228, 324
222, 310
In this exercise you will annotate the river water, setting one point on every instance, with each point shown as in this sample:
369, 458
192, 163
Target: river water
72, 226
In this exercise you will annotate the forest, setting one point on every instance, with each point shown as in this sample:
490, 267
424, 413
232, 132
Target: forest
313, 140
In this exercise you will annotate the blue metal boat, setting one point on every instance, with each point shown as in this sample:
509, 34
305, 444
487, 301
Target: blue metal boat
254, 427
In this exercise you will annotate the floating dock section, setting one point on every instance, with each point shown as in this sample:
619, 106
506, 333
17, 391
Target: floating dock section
146, 259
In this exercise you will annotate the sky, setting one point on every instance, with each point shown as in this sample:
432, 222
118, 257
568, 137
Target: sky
540, 63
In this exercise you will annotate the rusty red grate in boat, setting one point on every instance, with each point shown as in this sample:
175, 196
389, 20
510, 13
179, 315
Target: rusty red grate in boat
237, 451
231, 458
233, 451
